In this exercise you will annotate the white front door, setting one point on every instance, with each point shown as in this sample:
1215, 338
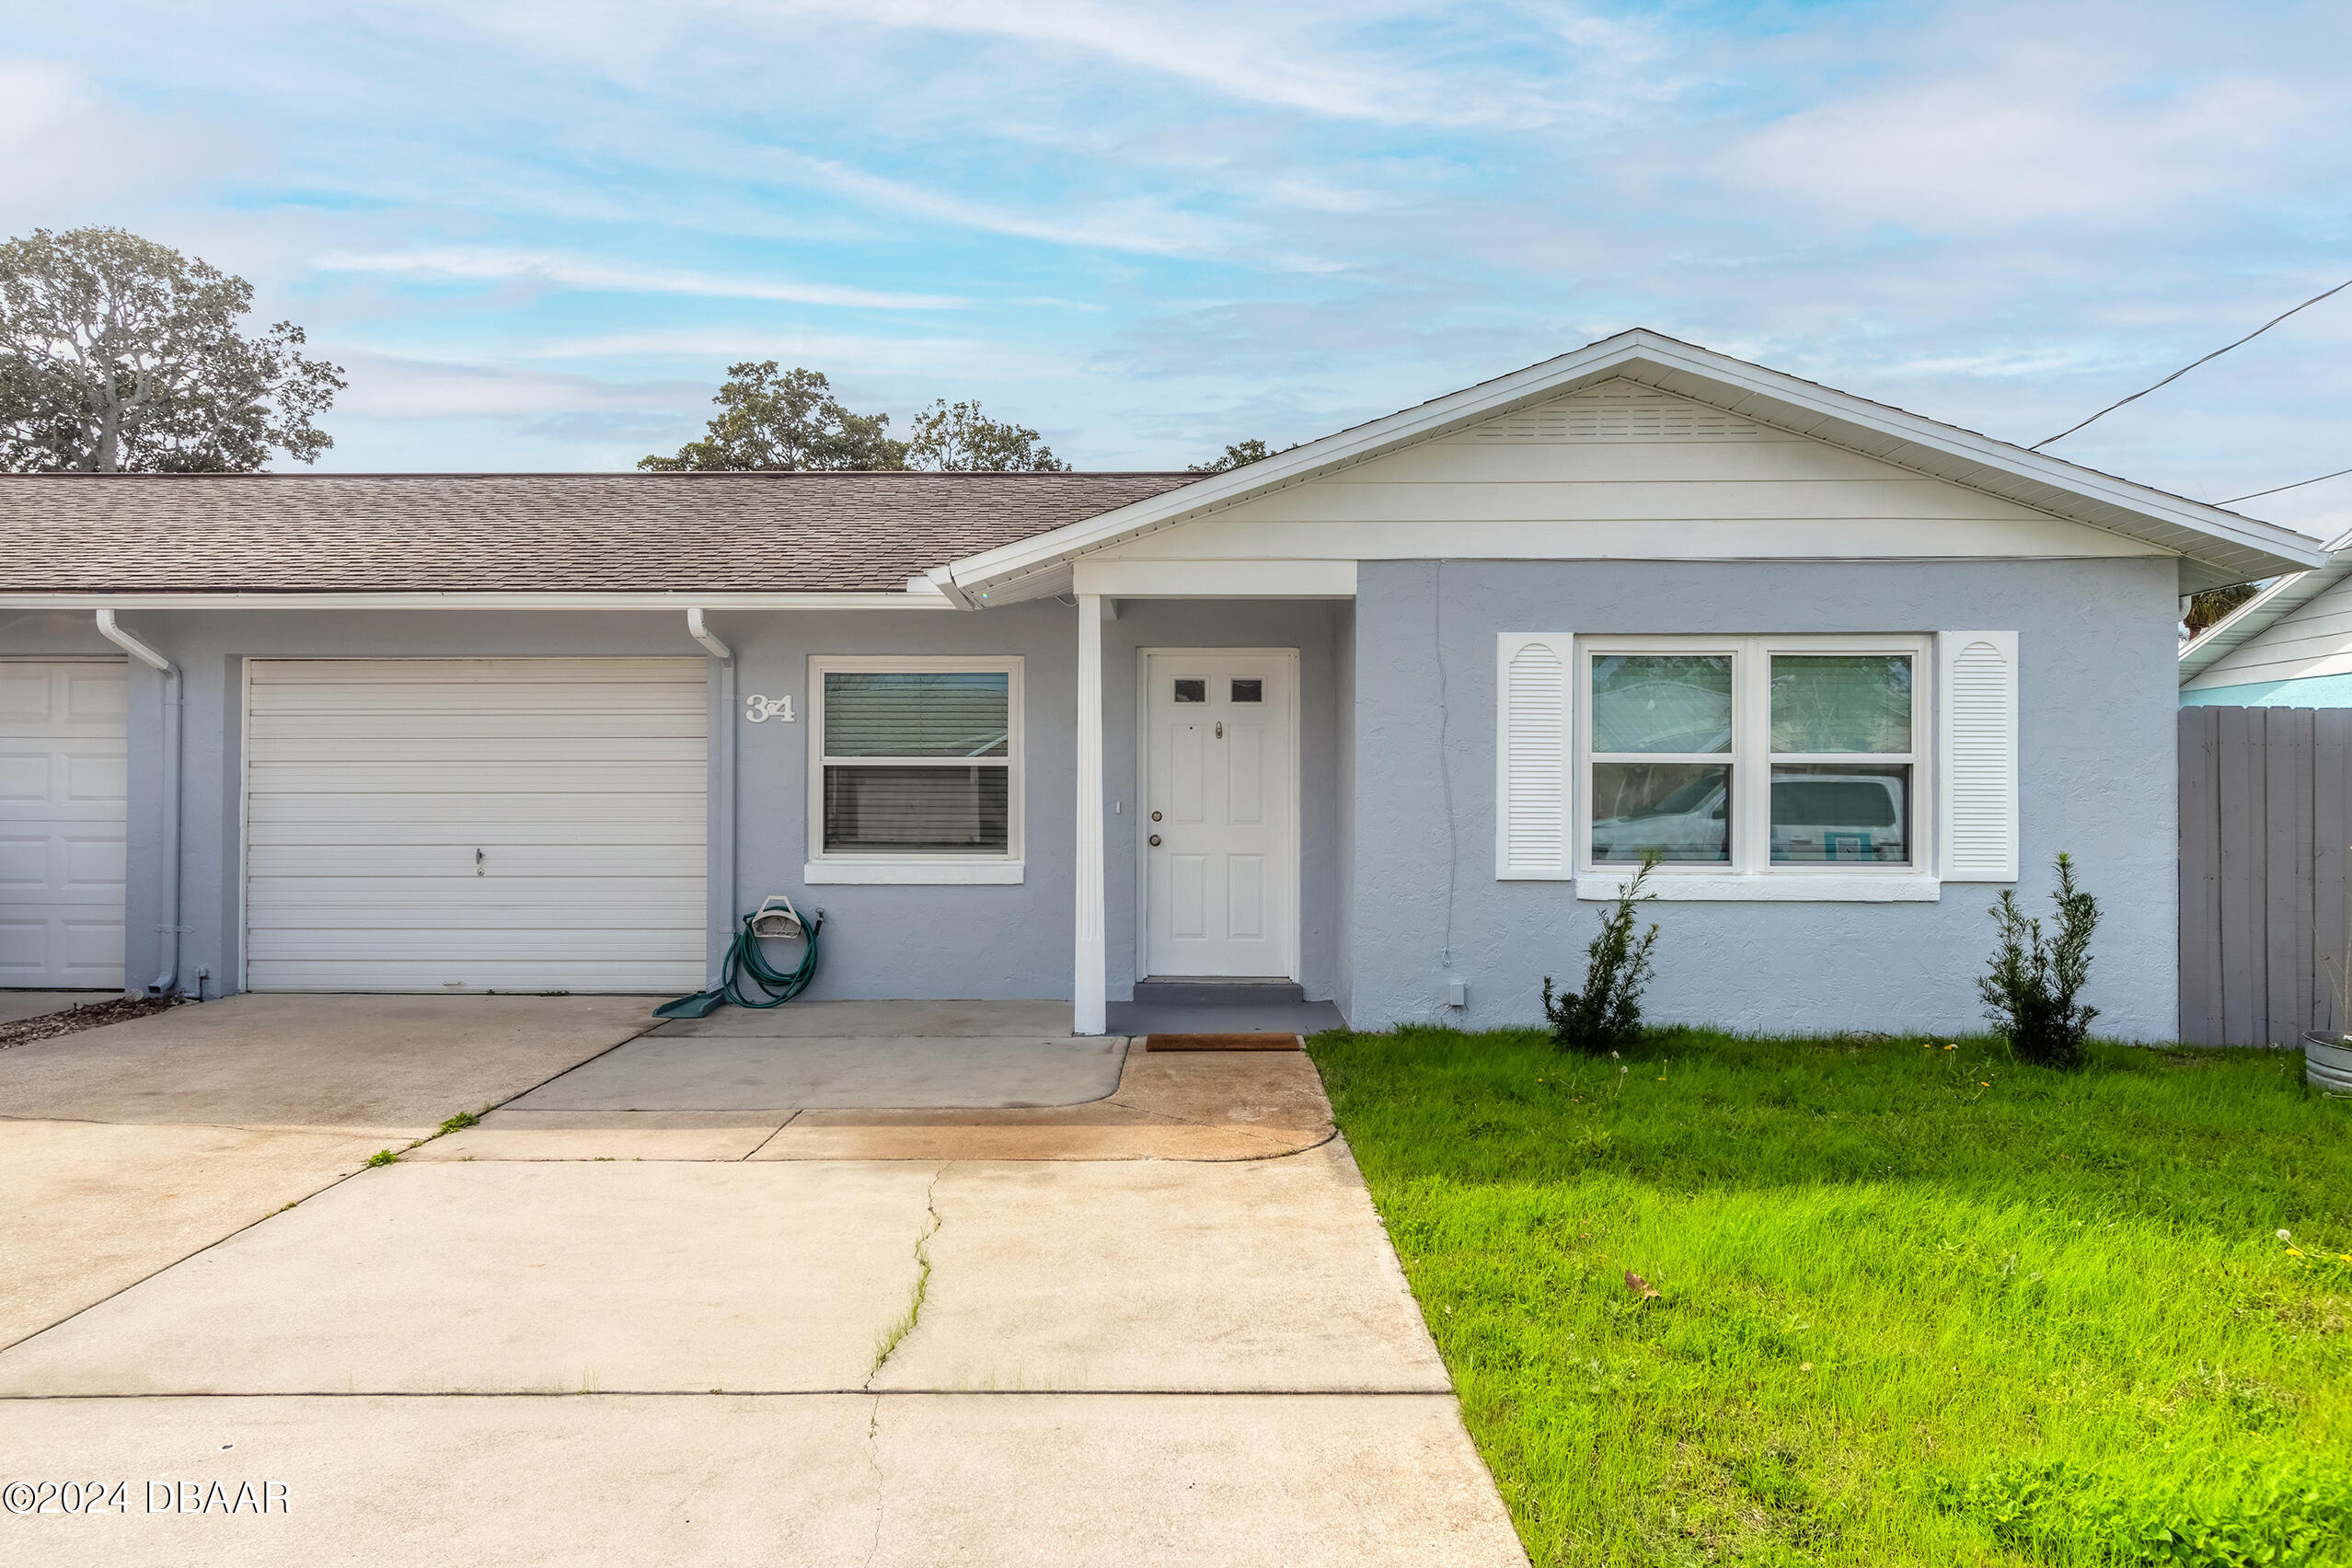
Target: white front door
61, 787
1220, 831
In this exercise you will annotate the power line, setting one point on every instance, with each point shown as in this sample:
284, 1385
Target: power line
2274, 490
2217, 353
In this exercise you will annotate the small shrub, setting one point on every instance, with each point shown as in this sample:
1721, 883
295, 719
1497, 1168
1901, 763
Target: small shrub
1608, 1012
2032, 984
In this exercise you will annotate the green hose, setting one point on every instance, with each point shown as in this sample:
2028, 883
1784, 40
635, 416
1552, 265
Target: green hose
744, 959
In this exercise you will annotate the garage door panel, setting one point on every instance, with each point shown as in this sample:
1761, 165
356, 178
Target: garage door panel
617, 902
62, 812
372, 784
432, 728
501, 944
675, 808
431, 777
647, 977
328, 862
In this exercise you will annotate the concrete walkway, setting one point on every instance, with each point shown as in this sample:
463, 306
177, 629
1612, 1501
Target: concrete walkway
687, 1361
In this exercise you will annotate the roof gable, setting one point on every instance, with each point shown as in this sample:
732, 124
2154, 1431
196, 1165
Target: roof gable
2215, 546
2269, 618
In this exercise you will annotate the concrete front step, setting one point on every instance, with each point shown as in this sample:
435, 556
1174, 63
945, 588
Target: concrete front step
1180, 990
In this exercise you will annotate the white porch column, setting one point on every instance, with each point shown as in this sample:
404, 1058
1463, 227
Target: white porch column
1089, 1006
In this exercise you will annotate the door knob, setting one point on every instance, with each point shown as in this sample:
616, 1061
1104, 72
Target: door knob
1155, 816
1155, 841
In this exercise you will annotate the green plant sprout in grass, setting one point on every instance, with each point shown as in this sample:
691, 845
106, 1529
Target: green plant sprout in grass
2032, 984
1608, 1012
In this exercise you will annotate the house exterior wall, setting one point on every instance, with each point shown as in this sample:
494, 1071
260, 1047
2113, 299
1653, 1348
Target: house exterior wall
925, 941
2097, 696
1627, 471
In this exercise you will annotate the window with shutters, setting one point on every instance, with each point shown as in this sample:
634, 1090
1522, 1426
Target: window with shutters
916, 767
1754, 756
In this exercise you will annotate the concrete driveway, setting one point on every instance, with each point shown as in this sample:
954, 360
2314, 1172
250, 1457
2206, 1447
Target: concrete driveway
578, 1358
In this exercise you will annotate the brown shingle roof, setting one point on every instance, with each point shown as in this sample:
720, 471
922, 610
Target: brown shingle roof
525, 532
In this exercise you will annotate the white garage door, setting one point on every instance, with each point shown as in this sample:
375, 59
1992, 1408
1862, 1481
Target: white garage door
61, 823
475, 824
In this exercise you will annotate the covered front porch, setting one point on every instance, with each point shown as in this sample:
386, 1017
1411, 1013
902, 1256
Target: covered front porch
1213, 743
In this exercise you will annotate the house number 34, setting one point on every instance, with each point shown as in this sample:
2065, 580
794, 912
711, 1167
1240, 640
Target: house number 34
760, 709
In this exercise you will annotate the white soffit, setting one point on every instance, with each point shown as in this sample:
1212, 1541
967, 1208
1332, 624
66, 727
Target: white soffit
2264, 610
2216, 546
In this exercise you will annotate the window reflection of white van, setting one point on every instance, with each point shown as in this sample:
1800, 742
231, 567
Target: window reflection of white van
1815, 816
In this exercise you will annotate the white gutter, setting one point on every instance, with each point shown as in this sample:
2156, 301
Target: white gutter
165, 982
926, 598
722, 794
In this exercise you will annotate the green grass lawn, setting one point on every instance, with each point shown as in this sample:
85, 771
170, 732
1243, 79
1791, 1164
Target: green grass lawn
1916, 1304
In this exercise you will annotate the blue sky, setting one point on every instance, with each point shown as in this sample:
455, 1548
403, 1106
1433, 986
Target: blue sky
536, 234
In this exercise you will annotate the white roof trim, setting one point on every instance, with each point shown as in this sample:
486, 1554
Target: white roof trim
2217, 546
295, 599
2264, 610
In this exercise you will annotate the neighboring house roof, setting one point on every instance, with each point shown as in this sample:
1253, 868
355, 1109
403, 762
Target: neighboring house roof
2216, 546
727, 533
2275, 604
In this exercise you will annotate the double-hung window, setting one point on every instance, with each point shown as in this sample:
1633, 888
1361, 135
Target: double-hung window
915, 772
1754, 756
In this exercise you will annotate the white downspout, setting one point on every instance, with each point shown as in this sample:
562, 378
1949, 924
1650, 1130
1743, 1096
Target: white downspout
722, 805
166, 982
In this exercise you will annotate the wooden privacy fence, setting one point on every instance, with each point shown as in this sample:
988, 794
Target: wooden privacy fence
2266, 819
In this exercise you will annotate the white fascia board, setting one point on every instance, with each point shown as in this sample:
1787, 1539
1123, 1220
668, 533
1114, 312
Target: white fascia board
138, 600
1890, 434
1214, 579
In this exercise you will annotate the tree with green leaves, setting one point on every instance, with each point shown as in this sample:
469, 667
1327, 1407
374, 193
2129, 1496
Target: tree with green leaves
120, 355
957, 438
1240, 455
771, 419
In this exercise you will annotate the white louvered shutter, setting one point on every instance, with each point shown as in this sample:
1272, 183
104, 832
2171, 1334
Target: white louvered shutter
1979, 822
1532, 743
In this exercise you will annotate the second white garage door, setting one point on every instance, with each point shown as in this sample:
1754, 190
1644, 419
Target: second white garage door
476, 824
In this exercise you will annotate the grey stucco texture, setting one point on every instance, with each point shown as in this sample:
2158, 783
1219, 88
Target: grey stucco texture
2097, 779
994, 943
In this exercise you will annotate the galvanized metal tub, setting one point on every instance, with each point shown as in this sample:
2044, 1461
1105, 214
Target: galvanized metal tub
2327, 1061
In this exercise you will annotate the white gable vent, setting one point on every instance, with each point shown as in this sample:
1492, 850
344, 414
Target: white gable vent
1617, 410
1531, 750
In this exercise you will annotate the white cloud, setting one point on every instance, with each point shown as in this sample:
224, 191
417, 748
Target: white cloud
70, 152
475, 263
2034, 137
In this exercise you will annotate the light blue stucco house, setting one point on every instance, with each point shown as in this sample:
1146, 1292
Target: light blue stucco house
2289, 646
1387, 716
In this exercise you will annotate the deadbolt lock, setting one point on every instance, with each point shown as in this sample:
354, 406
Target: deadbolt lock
1155, 816
1155, 841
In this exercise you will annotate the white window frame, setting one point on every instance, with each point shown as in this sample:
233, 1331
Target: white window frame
889, 869
1751, 874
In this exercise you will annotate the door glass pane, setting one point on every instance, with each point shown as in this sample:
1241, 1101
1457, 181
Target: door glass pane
1192, 691
916, 714
1683, 810
1648, 702
1841, 702
923, 811
1248, 691
1841, 811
